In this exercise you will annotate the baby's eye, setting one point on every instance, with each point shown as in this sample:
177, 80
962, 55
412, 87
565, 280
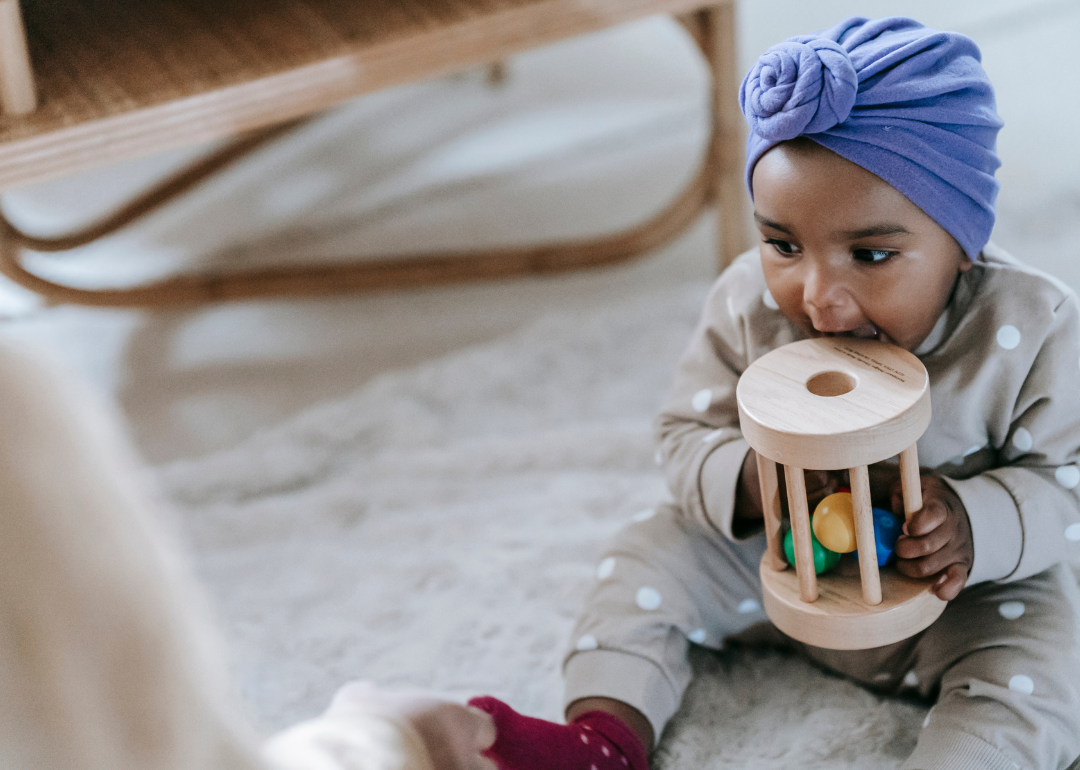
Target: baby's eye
782, 246
872, 255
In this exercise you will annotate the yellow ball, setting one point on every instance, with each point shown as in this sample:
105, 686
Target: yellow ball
834, 523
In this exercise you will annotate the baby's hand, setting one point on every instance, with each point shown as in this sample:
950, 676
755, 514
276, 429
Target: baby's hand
937, 539
819, 485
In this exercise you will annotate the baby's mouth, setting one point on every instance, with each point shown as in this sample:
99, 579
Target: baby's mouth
864, 332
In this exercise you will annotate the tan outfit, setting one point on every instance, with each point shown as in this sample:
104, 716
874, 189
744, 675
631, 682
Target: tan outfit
107, 660
1004, 366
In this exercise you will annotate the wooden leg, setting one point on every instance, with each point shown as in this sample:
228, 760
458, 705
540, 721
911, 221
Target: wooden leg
800, 525
910, 482
864, 534
727, 149
770, 502
694, 22
371, 273
17, 94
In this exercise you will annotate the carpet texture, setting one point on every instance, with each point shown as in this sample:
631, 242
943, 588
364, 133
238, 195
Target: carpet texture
440, 526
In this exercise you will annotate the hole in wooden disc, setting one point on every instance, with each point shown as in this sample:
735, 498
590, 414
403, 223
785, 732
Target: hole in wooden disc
830, 384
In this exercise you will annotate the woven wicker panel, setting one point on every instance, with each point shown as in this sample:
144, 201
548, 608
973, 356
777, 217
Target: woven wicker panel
133, 76
94, 58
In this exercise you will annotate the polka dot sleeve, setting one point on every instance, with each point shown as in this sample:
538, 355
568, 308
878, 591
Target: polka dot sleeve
701, 448
1025, 513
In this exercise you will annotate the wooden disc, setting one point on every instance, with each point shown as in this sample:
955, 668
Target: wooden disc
833, 402
840, 619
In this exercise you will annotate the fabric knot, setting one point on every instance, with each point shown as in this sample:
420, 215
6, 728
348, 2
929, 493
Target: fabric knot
804, 85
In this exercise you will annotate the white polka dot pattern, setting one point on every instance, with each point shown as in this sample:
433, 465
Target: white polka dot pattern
1011, 610
697, 636
605, 568
648, 598
1072, 532
1068, 476
702, 400
1022, 683
587, 642
748, 605
1008, 337
769, 301
911, 679
1022, 440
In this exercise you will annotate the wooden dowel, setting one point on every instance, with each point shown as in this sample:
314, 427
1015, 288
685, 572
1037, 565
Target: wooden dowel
726, 146
17, 93
770, 503
864, 534
910, 482
800, 525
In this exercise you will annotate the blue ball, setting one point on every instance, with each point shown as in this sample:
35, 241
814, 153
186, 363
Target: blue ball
887, 529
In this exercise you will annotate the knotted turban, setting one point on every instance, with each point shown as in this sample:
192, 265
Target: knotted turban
908, 103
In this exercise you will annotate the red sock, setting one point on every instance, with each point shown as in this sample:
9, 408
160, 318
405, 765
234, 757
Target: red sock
595, 740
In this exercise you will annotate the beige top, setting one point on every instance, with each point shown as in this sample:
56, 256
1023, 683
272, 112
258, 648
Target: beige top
1004, 367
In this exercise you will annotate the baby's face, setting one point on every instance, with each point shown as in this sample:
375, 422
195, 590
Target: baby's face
845, 253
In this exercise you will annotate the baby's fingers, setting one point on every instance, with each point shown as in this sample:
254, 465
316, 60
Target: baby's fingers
911, 547
951, 581
925, 566
929, 518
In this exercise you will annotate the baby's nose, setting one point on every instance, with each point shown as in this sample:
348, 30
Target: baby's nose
829, 307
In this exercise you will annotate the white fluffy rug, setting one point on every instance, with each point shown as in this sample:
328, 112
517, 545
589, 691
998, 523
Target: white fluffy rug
439, 528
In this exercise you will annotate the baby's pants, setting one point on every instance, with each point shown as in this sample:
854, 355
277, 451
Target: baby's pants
1005, 658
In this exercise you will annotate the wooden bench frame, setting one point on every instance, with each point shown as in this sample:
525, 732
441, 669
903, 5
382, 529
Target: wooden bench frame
261, 110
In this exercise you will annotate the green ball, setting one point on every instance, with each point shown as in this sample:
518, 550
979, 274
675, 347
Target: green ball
824, 559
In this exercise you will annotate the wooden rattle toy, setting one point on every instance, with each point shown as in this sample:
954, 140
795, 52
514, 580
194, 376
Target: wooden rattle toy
829, 404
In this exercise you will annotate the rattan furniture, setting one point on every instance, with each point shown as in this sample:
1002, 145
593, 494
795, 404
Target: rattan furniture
91, 82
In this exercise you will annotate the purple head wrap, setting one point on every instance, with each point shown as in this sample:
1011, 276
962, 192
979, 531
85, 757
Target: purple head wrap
906, 102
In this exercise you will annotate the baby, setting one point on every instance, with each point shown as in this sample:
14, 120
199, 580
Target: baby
871, 161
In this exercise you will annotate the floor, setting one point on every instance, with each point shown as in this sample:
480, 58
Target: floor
584, 137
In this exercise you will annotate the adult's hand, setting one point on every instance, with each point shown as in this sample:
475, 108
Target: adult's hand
369, 728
